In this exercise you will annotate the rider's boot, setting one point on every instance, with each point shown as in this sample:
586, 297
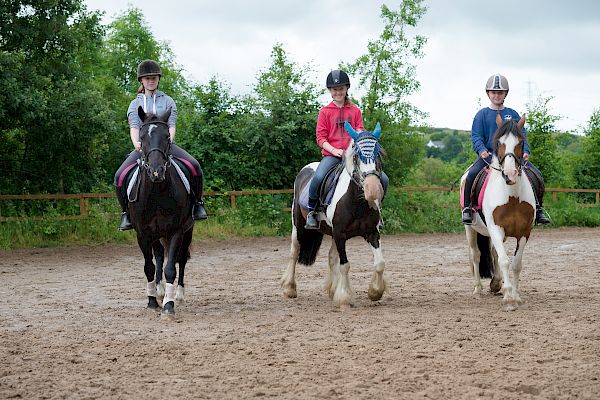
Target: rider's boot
125, 222
540, 217
311, 220
199, 212
467, 215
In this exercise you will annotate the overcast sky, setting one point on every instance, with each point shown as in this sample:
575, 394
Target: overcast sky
542, 47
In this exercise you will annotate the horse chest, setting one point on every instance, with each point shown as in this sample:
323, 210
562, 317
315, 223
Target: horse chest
515, 217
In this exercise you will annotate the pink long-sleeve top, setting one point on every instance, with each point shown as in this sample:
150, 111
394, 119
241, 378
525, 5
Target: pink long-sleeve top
330, 125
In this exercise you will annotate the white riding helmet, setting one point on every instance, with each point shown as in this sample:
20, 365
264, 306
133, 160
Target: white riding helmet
496, 82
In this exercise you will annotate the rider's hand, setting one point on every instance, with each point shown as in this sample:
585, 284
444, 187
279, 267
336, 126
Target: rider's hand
337, 152
484, 154
525, 156
138, 146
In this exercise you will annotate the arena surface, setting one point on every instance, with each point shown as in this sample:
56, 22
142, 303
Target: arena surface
73, 325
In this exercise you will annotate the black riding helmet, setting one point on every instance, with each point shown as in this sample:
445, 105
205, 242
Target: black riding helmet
337, 78
147, 68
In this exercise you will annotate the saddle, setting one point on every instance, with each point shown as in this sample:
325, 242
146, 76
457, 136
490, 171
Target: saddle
326, 189
537, 183
132, 178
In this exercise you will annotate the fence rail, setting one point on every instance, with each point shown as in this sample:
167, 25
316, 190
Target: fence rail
84, 197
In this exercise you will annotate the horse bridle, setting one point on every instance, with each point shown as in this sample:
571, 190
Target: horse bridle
519, 160
357, 175
165, 153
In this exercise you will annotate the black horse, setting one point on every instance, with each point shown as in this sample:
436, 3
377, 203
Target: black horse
162, 212
355, 210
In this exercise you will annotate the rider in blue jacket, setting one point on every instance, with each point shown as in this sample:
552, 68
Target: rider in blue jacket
482, 134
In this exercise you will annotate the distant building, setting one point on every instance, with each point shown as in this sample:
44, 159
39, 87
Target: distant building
436, 144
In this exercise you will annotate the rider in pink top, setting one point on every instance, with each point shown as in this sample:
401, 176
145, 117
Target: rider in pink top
333, 138
330, 126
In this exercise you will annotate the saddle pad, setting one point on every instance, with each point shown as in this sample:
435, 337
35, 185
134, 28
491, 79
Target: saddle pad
481, 182
477, 190
329, 183
132, 181
132, 178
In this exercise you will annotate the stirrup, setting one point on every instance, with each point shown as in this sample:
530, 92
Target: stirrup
199, 212
467, 216
311, 220
125, 223
540, 217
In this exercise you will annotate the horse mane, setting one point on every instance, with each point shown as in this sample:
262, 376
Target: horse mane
508, 126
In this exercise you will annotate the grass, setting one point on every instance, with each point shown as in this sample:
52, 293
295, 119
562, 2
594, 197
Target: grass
267, 215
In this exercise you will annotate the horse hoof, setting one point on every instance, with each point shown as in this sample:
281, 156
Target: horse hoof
375, 295
290, 293
152, 303
179, 294
169, 308
510, 304
495, 285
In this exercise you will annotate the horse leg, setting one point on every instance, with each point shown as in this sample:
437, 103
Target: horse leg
171, 273
517, 267
496, 282
332, 277
183, 258
159, 256
474, 257
288, 280
378, 283
146, 247
343, 291
497, 238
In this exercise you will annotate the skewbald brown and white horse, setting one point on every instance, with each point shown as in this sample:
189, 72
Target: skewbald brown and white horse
354, 211
508, 209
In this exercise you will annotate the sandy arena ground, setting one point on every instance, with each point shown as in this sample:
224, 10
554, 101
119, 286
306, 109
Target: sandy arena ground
73, 325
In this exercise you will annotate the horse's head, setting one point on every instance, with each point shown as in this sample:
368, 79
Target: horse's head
508, 148
156, 144
363, 158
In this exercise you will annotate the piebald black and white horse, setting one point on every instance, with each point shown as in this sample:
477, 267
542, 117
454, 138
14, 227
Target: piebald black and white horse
508, 210
162, 212
355, 210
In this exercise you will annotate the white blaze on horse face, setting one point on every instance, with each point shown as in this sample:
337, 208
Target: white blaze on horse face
150, 128
371, 185
509, 167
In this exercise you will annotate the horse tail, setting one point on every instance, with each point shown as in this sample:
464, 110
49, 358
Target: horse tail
310, 242
486, 262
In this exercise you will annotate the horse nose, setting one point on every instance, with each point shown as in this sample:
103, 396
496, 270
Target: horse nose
511, 176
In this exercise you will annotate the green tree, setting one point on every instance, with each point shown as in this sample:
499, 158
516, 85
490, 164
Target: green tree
214, 135
53, 119
587, 174
386, 71
280, 130
540, 127
388, 76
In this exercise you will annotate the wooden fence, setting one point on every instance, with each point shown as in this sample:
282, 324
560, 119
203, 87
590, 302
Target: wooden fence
85, 197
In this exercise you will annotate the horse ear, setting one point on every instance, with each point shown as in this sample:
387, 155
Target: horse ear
498, 120
141, 114
377, 131
165, 116
351, 130
521, 123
